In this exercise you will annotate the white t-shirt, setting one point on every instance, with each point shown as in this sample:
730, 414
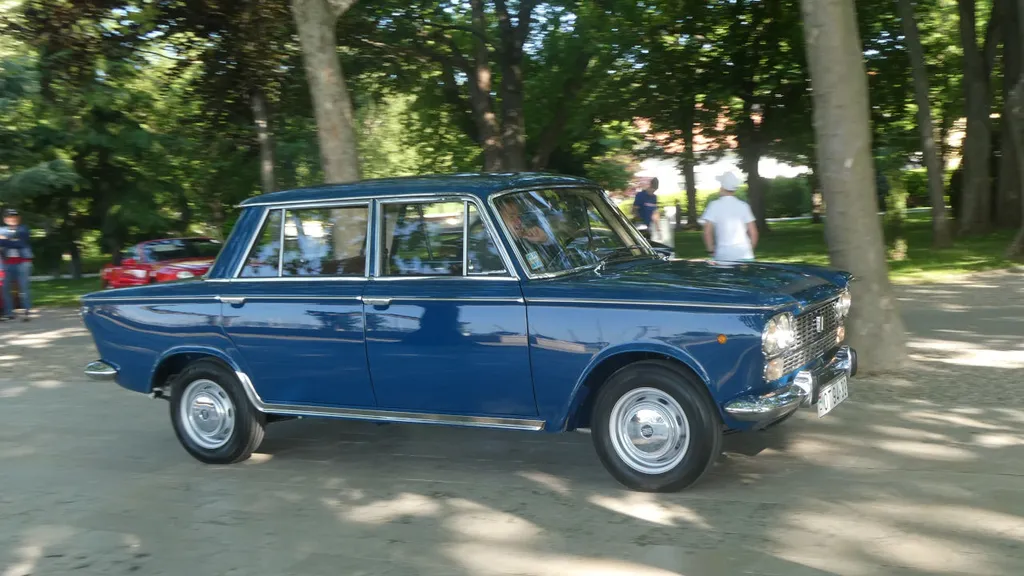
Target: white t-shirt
730, 217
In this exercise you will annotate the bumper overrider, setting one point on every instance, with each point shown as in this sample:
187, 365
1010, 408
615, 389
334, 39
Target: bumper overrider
803, 391
100, 370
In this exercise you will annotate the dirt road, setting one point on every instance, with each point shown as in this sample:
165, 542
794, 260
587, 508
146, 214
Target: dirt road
921, 473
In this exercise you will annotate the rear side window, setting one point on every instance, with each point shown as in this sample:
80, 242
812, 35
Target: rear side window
325, 241
437, 239
423, 239
262, 260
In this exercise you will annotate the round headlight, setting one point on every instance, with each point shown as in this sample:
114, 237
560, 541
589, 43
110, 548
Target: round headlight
185, 275
844, 303
778, 334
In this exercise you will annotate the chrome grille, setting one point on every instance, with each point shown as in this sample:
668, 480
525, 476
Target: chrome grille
810, 342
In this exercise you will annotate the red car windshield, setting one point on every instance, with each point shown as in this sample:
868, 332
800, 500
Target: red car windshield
181, 249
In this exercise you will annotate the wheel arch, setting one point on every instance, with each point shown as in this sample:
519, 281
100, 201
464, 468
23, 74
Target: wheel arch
176, 359
612, 360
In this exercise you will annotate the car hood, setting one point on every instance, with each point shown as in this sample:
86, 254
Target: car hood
754, 284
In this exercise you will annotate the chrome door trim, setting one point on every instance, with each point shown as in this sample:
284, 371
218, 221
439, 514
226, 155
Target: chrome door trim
426, 277
309, 203
374, 415
757, 307
232, 300
153, 299
305, 297
367, 299
375, 301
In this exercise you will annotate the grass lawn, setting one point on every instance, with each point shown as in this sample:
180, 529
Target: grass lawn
62, 293
804, 242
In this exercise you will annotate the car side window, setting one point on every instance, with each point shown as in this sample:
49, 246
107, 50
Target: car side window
422, 239
262, 260
325, 241
481, 253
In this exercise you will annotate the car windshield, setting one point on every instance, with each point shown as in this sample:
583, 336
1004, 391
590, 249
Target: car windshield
181, 248
565, 229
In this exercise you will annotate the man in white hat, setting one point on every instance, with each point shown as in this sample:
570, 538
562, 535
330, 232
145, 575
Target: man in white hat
730, 229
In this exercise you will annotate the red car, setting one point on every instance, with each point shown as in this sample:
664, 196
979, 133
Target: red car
161, 261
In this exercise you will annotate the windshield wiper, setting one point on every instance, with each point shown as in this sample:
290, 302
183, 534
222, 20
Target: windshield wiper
613, 254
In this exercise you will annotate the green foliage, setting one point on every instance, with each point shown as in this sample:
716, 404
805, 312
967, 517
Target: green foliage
44, 179
788, 197
915, 182
612, 171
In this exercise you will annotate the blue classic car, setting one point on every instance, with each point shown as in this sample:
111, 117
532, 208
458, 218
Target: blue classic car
512, 301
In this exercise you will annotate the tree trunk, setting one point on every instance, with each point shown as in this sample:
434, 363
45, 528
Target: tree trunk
690, 164
843, 135
552, 133
480, 94
750, 160
940, 224
1016, 123
1016, 132
261, 118
76, 257
513, 120
1008, 195
689, 173
976, 211
315, 21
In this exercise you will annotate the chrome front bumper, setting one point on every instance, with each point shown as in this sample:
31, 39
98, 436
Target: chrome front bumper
100, 370
803, 391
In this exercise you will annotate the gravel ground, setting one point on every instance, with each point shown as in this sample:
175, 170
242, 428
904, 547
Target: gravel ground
918, 473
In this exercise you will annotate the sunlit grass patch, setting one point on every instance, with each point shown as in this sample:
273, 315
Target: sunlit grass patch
802, 241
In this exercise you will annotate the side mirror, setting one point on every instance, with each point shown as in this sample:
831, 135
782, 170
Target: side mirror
128, 262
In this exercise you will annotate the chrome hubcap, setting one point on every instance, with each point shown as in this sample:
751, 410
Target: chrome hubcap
649, 430
207, 414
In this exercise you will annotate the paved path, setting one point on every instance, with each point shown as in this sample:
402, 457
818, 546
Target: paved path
917, 474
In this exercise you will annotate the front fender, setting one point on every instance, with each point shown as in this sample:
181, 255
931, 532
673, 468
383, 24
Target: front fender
579, 394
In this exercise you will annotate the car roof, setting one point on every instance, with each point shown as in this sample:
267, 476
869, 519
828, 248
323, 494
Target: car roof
479, 184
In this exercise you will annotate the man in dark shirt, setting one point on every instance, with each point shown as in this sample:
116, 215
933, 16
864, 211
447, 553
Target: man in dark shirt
17, 262
645, 205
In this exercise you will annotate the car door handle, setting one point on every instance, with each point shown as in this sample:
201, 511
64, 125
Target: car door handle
377, 301
232, 300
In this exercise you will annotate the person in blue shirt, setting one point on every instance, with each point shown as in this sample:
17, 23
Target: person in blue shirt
645, 206
17, 262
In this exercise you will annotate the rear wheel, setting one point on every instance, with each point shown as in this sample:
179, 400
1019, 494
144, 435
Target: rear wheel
655, 428
212, 416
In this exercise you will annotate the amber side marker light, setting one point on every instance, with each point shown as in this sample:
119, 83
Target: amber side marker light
722, 338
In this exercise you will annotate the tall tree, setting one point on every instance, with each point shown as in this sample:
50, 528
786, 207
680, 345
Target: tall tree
853, 229
316, 21
519, 81
1008, 195
940, 224
975, 214
1016, 130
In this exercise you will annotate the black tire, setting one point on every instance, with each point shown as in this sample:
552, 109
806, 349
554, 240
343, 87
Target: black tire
247, 432
702, 417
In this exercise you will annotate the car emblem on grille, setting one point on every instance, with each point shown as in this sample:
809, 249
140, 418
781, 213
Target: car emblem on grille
819, 323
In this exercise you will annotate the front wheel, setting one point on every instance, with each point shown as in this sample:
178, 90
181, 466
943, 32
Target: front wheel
212, 417
655, 428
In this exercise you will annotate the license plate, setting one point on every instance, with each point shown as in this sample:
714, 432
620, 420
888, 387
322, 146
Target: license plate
831, 395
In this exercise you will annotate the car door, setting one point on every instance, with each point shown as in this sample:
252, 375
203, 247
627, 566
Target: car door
294, 312
445, 320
